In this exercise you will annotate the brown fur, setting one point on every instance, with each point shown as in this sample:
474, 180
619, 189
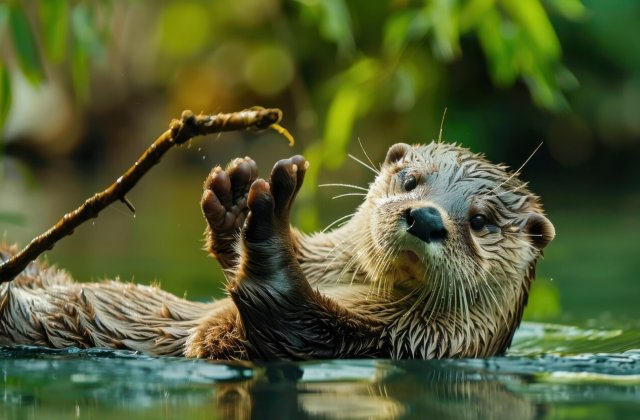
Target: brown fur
357, 291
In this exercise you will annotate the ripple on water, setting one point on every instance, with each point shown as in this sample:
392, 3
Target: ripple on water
552, 370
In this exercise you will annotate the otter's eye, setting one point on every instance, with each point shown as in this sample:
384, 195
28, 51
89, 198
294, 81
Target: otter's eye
410, 183
478, 222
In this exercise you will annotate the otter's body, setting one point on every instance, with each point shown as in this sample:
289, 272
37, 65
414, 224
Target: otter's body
436, 262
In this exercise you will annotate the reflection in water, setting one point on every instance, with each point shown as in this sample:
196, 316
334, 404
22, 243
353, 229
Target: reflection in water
391, 390
104, 383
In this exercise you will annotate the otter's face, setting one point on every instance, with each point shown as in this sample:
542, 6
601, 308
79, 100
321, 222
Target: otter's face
454, 226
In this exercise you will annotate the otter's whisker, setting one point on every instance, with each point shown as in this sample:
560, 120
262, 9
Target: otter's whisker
444, 114
490, 291
465, 304
375, 171
390, 257
353, 259
357, 187
334, 248
348, 195
439, 296
365, 153
381, 266
338, 220
516, 173
519, 187
347, 265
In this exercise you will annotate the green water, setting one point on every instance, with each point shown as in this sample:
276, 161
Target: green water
552, 371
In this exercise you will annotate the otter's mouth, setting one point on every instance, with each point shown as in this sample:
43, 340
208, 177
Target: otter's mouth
411, 256
412, 266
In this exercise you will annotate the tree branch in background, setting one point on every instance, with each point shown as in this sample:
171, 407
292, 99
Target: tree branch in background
179, 132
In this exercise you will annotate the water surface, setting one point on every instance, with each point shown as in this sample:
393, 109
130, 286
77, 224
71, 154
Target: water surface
552, 371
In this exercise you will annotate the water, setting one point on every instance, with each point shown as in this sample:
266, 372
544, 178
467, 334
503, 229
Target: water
552, 371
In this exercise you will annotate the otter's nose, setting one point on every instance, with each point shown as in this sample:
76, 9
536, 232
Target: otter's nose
426, 224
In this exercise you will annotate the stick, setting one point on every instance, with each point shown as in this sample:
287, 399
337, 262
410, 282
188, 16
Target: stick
179, 132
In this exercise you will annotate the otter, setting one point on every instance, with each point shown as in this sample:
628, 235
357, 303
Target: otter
436, 262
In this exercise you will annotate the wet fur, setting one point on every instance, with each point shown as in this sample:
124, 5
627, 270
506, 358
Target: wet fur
351, 292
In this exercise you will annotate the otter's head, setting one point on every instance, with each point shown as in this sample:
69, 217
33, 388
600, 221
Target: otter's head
454, 229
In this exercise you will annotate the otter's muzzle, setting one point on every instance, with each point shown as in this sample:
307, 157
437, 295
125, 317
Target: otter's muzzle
426, 223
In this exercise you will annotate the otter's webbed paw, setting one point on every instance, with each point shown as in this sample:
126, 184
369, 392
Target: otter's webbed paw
282, 315
224, 205
270, 202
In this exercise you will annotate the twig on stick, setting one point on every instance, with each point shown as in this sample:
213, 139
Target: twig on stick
180, 131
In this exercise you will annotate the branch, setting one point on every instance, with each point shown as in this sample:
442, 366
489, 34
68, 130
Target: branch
179, 132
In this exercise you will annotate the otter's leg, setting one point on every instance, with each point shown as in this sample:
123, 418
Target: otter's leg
283, 317
224, 205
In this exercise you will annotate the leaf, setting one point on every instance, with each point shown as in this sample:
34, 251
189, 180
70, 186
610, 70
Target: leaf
544, 90
403, 27
443, 19
407, 87
5, 95
497, 48
86, 42
306, 215
565, 79
336, 24
355, 93
80, 72
83, 26
396, 32
4, 17
25, 45
569, 9
532, 18
334, 21
54, 21
340, 119
472, 12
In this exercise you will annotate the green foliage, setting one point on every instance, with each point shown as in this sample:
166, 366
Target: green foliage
183, 29
569, 9
334, 21
350, 101
391, 56
57, 21
516, 37
5, 94
25, 45
54, 21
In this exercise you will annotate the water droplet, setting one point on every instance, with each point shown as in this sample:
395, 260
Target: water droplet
93, 223
199, 149
203, 157
119, 180
134, 215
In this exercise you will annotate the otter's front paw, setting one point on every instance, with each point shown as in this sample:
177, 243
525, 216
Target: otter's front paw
224, 205
270, 202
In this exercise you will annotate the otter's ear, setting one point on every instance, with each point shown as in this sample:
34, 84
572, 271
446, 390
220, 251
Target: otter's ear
540, 230
396, 153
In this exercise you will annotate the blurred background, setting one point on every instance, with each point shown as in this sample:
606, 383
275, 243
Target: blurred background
86, 86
